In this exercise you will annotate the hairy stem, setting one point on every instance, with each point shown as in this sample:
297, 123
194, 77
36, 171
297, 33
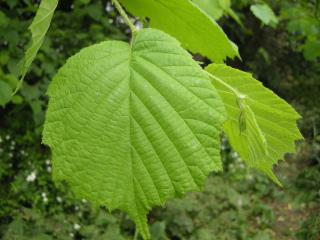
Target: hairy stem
136, 234
124, 15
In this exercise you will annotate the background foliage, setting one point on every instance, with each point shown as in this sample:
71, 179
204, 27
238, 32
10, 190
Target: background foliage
236, 204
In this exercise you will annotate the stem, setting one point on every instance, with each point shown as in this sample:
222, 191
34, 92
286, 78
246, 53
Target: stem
18, 86
240, 98
124, 15
238, 95
136, 234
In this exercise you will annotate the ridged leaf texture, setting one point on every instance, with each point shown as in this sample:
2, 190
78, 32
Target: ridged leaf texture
261, 126
182, 19
133, 125
38, 28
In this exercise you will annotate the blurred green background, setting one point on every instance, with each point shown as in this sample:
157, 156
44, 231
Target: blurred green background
279, 43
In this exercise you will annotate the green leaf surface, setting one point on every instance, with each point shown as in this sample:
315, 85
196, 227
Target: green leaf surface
5, 93
216, 9
182, 19
261, 126
265, 14
211, 7
38, 28
133, 125
311, 49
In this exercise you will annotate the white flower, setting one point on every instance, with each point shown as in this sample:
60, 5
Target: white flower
109, 7
138, 25
7, 137
32, 176
76, 226
249, 177
84, 201
120, 20
71, 235
239, 202
59, 199
49, 169
23, 153
44, 197
234, 155
242, 166
47, 162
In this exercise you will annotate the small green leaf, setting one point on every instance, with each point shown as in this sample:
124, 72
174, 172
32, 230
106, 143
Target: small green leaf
16, 99
158, 231
234, 16
5, 93
182, 19
265, 14
12, 3
38, 28
311, 49
133, 125
262, 128
4, 21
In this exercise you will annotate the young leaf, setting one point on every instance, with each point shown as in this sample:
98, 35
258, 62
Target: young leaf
265, 14
38, 28
133, 125
182, 19
261, 127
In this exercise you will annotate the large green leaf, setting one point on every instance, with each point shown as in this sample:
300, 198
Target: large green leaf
38, 28
211, 7
261, 126
133, 125
184, 20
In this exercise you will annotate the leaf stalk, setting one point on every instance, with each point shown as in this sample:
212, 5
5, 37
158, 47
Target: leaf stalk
235, 91
124, 15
